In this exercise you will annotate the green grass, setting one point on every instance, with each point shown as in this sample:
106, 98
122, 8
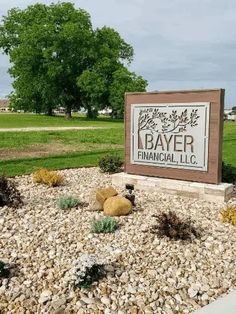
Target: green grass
89, 146
24, 120
73, 160
229, 144
26, 139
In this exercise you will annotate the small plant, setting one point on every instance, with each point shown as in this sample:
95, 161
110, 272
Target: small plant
50, 178
87, 271
110, 163
228, 214
228, 174
9, 195
171, 226
104, 225
4, 271
67, 202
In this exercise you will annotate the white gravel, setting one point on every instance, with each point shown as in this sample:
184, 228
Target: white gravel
148, 275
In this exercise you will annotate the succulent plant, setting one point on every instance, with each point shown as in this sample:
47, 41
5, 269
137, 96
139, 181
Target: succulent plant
67, 202
104, 225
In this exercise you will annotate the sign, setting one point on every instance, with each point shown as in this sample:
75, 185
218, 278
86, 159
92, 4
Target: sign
175, 134
170, 135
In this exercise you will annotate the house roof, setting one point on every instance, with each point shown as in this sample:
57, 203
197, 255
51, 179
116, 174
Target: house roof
4, 103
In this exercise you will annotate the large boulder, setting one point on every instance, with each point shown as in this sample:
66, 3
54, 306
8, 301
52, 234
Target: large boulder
117, 206
103, 194
94, 204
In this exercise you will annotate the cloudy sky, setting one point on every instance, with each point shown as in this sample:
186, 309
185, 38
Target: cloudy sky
179, 44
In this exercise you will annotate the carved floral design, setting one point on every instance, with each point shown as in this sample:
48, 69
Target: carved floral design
157, 121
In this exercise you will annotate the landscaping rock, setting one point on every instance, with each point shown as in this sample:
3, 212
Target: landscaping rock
94, 204
117, 206
45, 296
103, 194
146, 274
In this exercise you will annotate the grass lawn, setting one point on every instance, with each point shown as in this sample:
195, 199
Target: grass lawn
19, 140
229, 144
23, 152
71, 160
24, 120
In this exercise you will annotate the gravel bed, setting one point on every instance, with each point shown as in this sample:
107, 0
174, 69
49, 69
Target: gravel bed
147, 274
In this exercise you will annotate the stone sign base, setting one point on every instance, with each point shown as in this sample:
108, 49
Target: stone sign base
209, 192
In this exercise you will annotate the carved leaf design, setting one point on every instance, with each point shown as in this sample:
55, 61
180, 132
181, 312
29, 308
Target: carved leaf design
154, 120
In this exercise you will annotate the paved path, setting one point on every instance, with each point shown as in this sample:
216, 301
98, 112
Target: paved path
223, 305
51, 128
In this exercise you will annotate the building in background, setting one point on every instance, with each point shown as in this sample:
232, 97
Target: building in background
4, 105
229, 115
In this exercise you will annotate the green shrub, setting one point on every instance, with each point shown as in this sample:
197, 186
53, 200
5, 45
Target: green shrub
9, 195
67, 202
4, 271
110, 164
228, 174
171, 226
104, 225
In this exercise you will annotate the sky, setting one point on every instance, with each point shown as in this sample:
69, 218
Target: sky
178, 44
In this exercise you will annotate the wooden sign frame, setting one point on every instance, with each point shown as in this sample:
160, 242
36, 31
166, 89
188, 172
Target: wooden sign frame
216, 99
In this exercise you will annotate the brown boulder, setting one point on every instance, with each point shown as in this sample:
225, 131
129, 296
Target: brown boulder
104, 194
117, 206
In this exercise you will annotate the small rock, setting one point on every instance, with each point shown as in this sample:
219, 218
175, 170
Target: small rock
148, 310
80, 304
131, 290
124, 277
178, 298
87, 300
152, 273
193, 291
45, 296
205, 297
105, 300
134, 310
58, 303
61, 310
205, 287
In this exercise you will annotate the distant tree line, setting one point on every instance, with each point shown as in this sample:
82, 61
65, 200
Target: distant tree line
59, 60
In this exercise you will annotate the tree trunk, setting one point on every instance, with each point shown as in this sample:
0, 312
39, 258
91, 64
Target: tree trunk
89, 113
49, 111
68, 112
92, 113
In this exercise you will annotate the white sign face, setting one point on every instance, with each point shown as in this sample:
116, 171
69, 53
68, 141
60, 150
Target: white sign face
170, 135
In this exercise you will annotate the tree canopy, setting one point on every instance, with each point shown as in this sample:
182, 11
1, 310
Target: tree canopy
58, 59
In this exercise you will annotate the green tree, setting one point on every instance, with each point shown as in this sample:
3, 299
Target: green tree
111, 52
49, 47
59, 60
124, 81
92, 86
